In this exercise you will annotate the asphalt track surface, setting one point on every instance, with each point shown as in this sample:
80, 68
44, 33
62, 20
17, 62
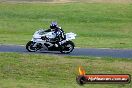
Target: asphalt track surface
114, 53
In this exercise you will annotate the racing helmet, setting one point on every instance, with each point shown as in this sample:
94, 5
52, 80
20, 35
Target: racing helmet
53, 25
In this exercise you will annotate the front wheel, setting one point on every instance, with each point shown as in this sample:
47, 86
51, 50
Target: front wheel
29, 46
67, 47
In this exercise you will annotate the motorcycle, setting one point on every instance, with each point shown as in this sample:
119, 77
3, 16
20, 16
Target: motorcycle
46, 41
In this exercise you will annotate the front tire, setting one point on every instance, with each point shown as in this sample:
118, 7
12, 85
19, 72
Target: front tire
29, 46
67, 47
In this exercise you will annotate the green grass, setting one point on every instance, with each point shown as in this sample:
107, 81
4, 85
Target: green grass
44, 71
97, 25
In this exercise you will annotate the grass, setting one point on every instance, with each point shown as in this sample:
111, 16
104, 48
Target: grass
97, 25
64, 1
44, 71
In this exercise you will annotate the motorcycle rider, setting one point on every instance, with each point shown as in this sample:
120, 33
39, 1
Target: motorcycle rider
60, 34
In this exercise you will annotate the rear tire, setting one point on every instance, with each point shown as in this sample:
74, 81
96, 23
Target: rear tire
67, 47
29, 46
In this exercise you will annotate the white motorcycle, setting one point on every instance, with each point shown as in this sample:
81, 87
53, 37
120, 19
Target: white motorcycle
46, 41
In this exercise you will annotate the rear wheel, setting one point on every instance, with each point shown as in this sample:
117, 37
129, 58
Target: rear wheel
67, 47
29, 46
